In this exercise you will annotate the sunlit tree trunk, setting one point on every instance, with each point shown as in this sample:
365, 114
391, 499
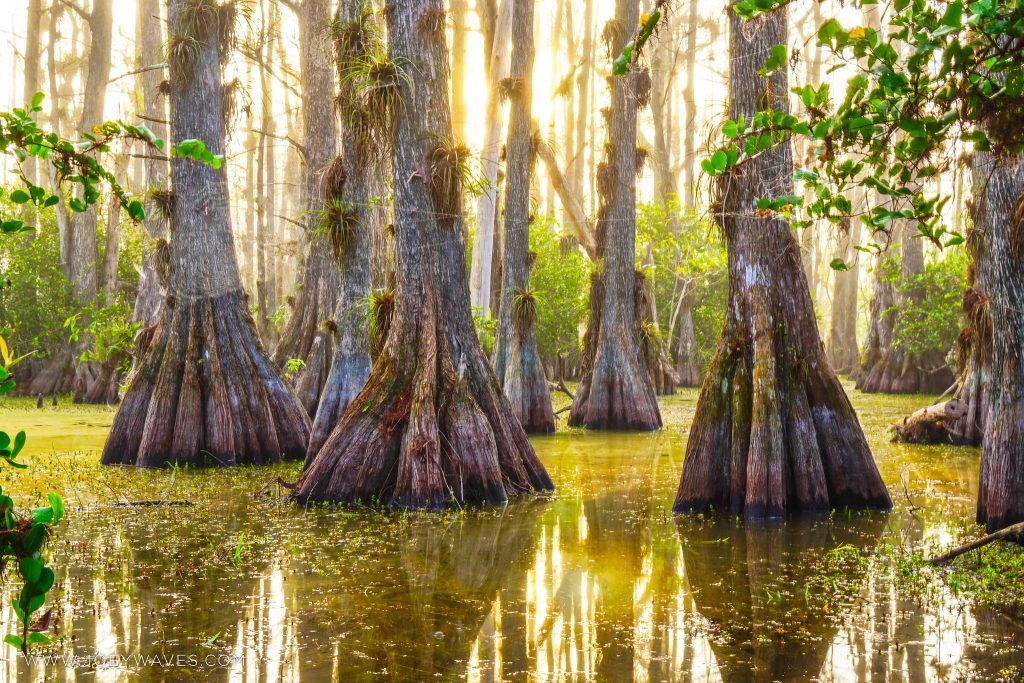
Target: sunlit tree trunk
773, 431
304, 336
82, 253
842, 336
206, 392
150, 31
579, 166
690, 125
431, 426
516, 359
458, 10
487, 205
31, 72
616, 390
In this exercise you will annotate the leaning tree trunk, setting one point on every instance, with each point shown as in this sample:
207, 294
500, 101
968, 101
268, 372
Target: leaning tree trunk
616, 391
304, 336
206, 391
431, 426
516, 359
348, 224
774, 431
998, 218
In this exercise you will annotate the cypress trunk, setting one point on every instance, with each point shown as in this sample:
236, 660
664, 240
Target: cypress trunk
431, 425
616, 390
516, 359
773, 431
997, 402
347, 186
317, 291
205, 391
842, 336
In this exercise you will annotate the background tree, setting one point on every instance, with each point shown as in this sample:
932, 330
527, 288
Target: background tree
205, 391
616, 390
317, 287
517, 362
431, 425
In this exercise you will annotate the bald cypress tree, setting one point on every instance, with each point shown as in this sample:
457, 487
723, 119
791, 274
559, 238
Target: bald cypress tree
774, 431
206, 392
431, 425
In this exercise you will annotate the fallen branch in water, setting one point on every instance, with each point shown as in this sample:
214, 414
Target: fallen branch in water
153, 503
1012, 530
928, 425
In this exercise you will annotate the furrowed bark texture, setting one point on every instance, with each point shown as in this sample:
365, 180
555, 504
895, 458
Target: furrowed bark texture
616, 391
317, 291
774, 431
659, 365
348, 364
999, 218
431, 426
516, 359
205, 391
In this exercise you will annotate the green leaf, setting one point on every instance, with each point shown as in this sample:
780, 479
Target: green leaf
838, 264
37, 99
14, 641
19, 197
57, 504
719, 160
38, 638
136, 212
29, 568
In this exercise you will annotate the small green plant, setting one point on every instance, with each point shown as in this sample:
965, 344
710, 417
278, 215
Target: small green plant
22, 536
293, 367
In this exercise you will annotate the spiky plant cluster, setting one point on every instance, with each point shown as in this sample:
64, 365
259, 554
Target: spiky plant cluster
381, 313
182, 52
524, 309
448, 172
612, 35
643, 88
356, 37
162, 261
509, 88
164, 88
231, 93
371, 94
333, 180
642, 154
339, 223
161, 200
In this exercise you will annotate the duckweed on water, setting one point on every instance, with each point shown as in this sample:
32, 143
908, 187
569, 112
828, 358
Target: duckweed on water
597, 582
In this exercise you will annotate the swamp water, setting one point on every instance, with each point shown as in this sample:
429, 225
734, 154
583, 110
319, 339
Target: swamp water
596, 582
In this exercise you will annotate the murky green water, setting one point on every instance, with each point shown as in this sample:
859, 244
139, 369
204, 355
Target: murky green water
598, 582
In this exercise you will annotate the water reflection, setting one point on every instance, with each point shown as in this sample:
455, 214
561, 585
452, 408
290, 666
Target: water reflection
600, 583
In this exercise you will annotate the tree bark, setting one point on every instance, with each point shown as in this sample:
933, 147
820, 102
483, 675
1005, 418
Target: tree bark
516, 359
616, 391
773, 431
347, 183
317, 291
690, 128
206, 391
431, 426
32, 72
998, 217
